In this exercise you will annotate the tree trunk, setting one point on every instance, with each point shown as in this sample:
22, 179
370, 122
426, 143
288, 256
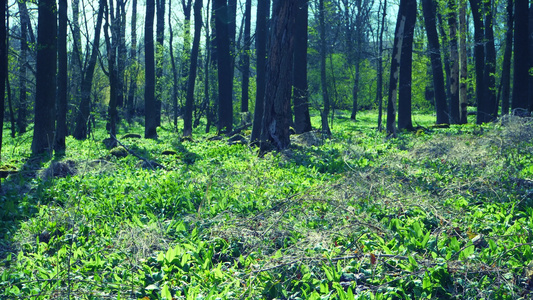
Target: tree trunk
82, 118
379, 88
436, 62
489, 82
463, 64
323, 80
207, 72
263, 10
395, 71
3, 66
122, 52
61, 126
159, 49
246, 56
302, 120
406, 63
26, 37
175, 79
45, 93
479, 53
276, 119
225, 80
150, 110
189, 102
111, 47
454, 63
130, 109
506, 65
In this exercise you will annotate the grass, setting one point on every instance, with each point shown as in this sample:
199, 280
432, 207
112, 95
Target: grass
438, 213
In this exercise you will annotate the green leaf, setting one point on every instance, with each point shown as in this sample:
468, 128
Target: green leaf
165, 293
152, 287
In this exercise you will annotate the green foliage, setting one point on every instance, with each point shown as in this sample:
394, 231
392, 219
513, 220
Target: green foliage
443, 213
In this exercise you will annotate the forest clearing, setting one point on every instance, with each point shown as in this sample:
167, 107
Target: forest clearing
437, 213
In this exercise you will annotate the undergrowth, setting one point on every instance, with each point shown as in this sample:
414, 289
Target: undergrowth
436, 213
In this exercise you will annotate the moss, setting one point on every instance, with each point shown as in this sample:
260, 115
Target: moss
119, 152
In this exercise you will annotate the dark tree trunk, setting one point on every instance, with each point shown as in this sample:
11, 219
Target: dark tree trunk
232, 31
122, 51
189, 102
445, 55
130, 109
111, 47
530, 62
263, 10
395, 71
62, 79
175, 79
207, 73
506, 66
323, 80
479, 54
302, 120
160, 37
436, 62
521, 55
246, 56
379, 88
276, 119
489, 82
45, 99
454, 63
463, 65
406, 63
26, 37
3, 66
82, 118
150, 109
225, 80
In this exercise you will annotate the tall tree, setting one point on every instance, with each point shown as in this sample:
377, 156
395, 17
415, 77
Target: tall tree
463, 64
3, 64
225, 80
45, 99
160, 38
82, 118
406, 63
395, 71
302, 120
479, 53
276, 118
246, 56
62, 79
323, 80
263, 10
428, 9
454, 62
490, 111
379, 88
150, 109
26, 37
112, 24
189, 102
506, 65
521, 55
175, 80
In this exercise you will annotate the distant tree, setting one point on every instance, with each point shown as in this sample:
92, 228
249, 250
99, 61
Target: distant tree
302, 120
45, 99
82, 118
379, 88
3, 64
506, 65
490, 106
246, 56
406, 62
26, 37
150, 109
276, 118
225, 79
323, 80
395, 72
62, 79
263, 10
479, 53
160, 38
189, 102
428, 9
454, 62
463, 64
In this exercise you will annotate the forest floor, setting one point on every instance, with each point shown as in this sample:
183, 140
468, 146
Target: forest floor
436, 213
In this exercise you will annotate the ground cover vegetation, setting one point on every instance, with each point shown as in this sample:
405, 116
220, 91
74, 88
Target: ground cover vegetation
437, 213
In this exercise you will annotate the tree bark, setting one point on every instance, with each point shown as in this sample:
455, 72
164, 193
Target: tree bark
302, 120
463, 64
263, 10
454, 63
189, 102
130, 109
379, 88
175, 80
225, 80
246, 56
150, 109
406, 63
276, 119
3, 66
436, 61
489, 81
61, 126
506, 65
26, 36
45, 99
323, 80
159, 49
479, 54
